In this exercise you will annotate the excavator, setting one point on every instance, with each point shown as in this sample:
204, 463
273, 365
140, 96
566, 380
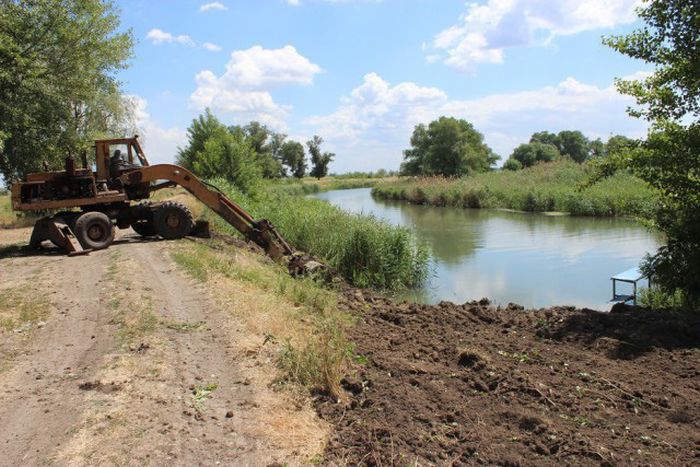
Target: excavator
89, 203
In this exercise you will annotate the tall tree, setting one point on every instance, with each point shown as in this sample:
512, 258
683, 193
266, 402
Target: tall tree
531, 153
293, 157
449, 147
58, 86
319, 160
669, 159
546, 137
202, 128
275, 145
574, 145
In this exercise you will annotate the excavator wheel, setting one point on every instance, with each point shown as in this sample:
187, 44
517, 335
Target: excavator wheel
144, 228
94, 230
173, 220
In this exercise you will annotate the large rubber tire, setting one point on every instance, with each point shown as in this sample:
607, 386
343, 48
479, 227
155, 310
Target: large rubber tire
173, 220
94, 231
144, 228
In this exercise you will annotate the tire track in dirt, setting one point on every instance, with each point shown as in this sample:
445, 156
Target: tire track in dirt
138, 404
39, 392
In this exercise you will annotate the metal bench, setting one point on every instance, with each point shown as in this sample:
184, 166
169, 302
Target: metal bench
631, 276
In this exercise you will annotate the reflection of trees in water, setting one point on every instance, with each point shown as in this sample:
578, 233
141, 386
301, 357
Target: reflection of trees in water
454, 234
451, 233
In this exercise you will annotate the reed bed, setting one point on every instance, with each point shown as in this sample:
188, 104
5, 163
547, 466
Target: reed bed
365, 250
556, 186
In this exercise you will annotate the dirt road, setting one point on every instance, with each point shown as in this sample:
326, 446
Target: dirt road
132, 363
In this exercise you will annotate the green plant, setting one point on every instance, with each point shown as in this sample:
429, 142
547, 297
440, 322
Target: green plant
365, 250
200, 394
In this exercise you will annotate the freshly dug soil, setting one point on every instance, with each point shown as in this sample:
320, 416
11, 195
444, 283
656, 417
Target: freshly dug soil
476, 384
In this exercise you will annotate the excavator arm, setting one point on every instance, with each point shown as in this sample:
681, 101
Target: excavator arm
261, 232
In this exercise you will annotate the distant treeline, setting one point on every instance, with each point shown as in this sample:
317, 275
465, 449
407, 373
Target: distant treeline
452, 147
245, 154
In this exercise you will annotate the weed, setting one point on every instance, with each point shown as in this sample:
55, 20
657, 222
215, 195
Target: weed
192, 264
201, 393
185, 326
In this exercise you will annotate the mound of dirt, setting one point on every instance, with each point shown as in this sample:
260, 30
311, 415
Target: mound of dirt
477, 384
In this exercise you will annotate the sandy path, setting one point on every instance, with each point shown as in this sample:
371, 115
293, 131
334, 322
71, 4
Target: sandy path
140, 408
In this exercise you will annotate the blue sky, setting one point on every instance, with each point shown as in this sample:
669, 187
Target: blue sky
363, 73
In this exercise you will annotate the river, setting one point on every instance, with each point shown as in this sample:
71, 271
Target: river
534, 260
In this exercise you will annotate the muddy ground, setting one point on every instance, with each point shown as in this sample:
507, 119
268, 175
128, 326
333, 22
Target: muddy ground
476, 384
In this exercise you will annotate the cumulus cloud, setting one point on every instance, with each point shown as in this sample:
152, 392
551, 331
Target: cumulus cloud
373, 124
486, 30
244, 88
213, 6
211, 47
160, 144
158, 36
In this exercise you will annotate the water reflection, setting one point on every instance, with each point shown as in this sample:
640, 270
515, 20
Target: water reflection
532, 259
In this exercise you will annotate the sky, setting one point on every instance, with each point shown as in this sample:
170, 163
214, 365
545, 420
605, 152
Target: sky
362, 73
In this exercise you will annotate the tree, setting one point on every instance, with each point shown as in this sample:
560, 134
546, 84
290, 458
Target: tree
448, 147
58, 89
531, 153
669, 159
512, 164
574, 145
546, 137
199, 132
319, 160
293, 157
231, 157
213, 150
275, 145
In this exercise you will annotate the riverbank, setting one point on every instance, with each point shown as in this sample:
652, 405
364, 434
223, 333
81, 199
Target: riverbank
555, 186
309, 185
476, 384
366, 251
396, 383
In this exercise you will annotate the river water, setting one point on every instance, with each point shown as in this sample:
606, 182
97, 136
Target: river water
534, 260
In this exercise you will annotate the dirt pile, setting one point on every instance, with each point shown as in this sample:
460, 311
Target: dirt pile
476, 384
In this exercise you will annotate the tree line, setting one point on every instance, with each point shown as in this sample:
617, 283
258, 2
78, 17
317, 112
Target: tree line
245, 154
452, 147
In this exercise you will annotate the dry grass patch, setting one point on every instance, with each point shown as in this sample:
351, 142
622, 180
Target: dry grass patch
21, 306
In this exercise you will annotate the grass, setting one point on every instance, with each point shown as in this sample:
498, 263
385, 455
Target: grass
366, 251
542, 188
300, 317
132, 312
20, 306
10, 219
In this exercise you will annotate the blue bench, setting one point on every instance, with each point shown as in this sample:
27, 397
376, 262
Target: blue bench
631, 276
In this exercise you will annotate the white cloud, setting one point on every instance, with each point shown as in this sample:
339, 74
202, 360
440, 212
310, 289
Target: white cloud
158, 36
244, 88
373, 124
211, 47
213, 6
486, 30
160, 144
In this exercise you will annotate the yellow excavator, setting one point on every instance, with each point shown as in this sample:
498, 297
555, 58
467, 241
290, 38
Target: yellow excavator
94, 201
